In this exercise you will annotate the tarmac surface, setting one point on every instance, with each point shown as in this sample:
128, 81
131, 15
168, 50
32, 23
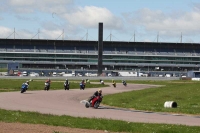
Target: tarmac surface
61, 102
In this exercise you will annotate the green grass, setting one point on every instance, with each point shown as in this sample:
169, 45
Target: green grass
3, 69
7, 85
185, 93
93, 123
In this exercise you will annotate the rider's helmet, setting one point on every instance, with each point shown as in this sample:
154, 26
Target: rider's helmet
48, 80
66, 79
27, 82
113, 80
100, 91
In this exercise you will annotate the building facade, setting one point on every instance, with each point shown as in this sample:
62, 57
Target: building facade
83, 55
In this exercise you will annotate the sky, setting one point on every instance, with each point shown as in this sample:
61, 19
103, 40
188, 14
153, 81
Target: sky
123, 20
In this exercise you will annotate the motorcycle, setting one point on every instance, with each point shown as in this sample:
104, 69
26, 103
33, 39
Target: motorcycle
124, 83
82, 86
66, 86
24, 87
102, 82
114, 84
95, 102
46, 86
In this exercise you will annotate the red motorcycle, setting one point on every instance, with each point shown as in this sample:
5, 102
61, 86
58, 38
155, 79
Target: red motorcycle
95, 102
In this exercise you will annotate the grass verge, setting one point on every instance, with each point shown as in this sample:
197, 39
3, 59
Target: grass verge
185, 93
7, 85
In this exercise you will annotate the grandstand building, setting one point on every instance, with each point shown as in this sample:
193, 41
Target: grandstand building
83, 55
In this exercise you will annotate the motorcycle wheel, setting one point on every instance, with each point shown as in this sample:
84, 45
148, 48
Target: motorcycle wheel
96, 105
47, 88
87, 105
22, 91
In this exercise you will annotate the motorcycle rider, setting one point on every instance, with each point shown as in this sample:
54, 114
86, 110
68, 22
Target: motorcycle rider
124, 82
48, 81
101, 81
88, 81
83, 81
66, 83
82, 84
26, 85
113, 82
96, 93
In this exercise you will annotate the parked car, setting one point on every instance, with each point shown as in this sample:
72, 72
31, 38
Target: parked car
54, 74
24, 73
34, 74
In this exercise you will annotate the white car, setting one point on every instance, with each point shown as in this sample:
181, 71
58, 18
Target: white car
34, 74
54, 74
80, 75
24, 73
109, 75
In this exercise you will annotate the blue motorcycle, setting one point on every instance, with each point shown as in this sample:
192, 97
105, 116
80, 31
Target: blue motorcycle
82, 86
24, 88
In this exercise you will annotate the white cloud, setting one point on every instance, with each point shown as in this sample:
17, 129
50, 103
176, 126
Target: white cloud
66, 15
171, 24
90, 16
26, 34
76, 20
29, 6
21, 2
5, 32
196, 6
53, 34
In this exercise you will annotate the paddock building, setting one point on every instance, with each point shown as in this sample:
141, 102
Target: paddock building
82, 55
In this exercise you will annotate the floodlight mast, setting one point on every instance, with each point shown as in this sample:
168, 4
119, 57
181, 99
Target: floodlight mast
63, 33
133, 37
37, 34
11, 34
181, 37
158, 37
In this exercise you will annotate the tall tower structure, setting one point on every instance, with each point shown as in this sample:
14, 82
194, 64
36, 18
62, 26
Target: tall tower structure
100, 49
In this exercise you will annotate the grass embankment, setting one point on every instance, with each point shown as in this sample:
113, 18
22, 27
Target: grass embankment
185, 93
7, 85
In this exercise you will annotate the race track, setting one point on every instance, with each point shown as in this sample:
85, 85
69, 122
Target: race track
61, 102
